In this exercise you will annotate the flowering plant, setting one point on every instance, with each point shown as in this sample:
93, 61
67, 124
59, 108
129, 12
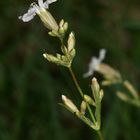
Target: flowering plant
65, 58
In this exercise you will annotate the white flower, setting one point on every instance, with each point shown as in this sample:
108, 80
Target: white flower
35, 9
94, 63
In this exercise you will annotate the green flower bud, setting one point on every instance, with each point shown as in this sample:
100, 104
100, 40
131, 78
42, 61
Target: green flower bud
95, 88
48, 19
61, 23
65, 26
71, 41
69, 104
101, 94
61, 31
89, 100
83, 107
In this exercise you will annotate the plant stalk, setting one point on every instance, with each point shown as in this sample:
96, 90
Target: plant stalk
88, 107
81, 92
100, 135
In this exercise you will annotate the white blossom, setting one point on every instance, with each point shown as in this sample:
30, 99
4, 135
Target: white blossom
94, 63
35, 9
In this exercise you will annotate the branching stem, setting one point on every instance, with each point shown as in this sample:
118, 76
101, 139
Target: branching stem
88, 107
81, 92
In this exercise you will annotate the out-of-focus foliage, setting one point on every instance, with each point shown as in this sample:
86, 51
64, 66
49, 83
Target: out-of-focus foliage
30, 87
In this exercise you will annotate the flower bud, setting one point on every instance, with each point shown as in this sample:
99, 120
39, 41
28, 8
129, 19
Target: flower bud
53, 33
71, 41
61, 31
131, 89
61, 23
101, 94
95, 88
123, 96
111, 75
83, 107
51, 58
48, 19
89, 100
69, 104
65, 26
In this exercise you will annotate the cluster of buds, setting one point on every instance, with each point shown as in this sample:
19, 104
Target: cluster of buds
41, 9
95, 101
62, 29
68, 53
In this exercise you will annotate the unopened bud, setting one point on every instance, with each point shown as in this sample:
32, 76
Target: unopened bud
71, 41
101, 94
61, 30
95, 88
65, 26
131, 89
122, 96
50, 58
61, 23
83, 107
89, 100
69, 104
45, 55
53, 33
110, 74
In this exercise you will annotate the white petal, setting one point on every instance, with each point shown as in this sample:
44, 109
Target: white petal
40, 3
102, 54
93, 66
47, 2
94, 63
29, 15
87, 74
46, 5
26, 17
51, 1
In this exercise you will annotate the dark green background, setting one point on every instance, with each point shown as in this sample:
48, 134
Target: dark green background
31, 88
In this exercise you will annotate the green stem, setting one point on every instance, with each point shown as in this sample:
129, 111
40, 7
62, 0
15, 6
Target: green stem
81, 92
76, 82
88, 107
91, 114
100, 135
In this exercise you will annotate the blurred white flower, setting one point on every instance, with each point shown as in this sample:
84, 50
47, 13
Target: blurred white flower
94, 63
35, 9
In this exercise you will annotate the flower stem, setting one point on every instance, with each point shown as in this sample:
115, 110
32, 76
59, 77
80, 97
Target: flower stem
88, 107
81, 92
100, 135
76, 82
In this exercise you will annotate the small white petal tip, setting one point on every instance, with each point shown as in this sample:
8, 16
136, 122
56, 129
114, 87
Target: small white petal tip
94, 79
63, 97
44, 55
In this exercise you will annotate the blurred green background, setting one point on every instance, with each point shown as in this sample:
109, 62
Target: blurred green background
31, 88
